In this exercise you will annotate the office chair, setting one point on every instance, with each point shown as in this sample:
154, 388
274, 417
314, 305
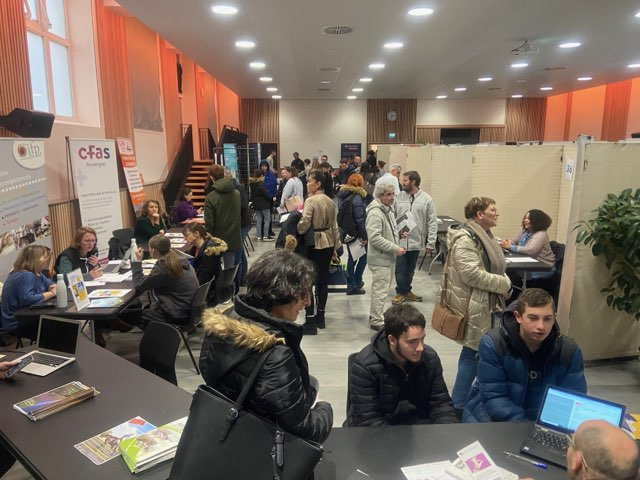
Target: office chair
551, 284
119, 243
159, 349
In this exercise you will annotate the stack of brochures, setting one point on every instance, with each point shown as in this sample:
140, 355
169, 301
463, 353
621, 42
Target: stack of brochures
53, 401
151, 448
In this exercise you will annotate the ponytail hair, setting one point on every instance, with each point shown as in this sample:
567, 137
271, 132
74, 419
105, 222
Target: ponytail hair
168, 257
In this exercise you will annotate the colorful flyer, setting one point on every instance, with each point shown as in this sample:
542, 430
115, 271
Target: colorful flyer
78, 289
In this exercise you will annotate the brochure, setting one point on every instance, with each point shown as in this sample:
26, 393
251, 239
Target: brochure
406, 222
105, 302
53, 401
78, 289
109, 292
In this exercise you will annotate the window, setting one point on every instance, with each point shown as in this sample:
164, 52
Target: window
49, 45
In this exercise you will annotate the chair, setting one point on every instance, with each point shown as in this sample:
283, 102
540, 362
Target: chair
350, 360
119, 243
551, 284
159, 349
225, 287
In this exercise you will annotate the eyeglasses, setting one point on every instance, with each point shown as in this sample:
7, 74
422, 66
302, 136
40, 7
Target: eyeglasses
573, 445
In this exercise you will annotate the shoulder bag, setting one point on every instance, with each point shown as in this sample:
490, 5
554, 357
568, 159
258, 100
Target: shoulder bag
222, 440
444, 320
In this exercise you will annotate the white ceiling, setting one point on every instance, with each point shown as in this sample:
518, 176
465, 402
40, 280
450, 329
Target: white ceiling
462, 41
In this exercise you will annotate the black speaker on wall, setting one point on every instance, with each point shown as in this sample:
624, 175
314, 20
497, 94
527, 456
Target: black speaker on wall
28, 123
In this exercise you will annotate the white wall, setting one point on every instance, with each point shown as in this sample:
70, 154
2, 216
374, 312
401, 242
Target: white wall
461, 112
318, 127
151, 154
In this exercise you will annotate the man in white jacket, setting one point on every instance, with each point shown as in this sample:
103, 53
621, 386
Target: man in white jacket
419, 206
293, 185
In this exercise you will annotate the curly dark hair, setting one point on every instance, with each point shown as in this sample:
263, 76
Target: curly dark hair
540, 221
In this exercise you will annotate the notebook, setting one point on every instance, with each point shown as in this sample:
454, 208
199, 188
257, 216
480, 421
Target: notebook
56, 347
562, 411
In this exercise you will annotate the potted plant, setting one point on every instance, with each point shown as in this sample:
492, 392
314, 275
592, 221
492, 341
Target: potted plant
615, 234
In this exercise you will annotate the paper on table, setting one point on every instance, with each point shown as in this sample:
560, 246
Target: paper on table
174, 235
479, 463
94, 283
428, 471
521, 260
356, 249
109, 292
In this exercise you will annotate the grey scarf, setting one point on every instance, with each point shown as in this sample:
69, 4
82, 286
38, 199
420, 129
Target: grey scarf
496, 259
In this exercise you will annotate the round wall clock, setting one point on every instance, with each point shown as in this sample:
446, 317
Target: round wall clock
392, 116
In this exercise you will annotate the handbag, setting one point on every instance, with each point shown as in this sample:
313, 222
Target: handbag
445, 320
222, 440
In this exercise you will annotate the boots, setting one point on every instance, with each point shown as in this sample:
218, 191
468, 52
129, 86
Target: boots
310, 327
320, 319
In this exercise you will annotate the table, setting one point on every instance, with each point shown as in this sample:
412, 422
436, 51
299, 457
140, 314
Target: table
381, 451
46, 448
445, 222
519, 262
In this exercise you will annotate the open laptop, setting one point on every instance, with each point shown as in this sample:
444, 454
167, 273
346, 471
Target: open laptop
56, 347
561, 413
123, 265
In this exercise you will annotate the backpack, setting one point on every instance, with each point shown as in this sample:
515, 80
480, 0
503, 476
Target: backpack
346, 221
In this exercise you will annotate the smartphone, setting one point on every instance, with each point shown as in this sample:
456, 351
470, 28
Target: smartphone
16, 368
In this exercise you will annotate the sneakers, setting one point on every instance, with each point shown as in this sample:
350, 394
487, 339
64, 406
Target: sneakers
356, 291
398, 299
259, 239
412, 297
268, 239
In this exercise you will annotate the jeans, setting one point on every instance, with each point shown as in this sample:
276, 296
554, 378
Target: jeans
321, 259
241, 258
405, 266
355, 269
263, 222
467, 370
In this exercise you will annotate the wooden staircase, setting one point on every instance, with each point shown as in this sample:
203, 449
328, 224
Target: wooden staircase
197, 179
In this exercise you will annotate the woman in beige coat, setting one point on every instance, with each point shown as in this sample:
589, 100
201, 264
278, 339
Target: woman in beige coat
477, 268
320, 214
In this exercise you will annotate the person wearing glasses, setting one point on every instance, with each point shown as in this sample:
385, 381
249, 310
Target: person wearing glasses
207, 252
518, 359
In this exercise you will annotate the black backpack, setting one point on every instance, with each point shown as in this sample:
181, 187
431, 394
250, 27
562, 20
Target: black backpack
346, 221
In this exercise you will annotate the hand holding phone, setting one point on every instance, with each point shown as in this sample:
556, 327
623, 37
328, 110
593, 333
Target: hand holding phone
19, 366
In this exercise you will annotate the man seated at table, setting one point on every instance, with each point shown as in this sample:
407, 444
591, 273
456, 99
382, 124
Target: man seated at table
397, 379
518, 359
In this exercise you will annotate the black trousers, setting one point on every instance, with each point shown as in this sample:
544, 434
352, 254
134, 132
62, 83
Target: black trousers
321, 258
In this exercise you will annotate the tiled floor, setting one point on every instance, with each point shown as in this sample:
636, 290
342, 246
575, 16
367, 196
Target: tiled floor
348, 331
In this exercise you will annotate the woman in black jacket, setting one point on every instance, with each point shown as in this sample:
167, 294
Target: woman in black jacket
207, 253
278, 286
261, 202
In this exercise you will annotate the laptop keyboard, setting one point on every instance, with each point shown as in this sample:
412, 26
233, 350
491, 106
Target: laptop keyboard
550, 439
50, 360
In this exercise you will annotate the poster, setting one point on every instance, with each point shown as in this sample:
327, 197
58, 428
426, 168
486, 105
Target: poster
347, 150
96, 177
24, 208
131, 173
231, 158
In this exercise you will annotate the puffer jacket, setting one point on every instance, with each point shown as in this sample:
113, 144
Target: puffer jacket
500, 394
358, 197
376, 381
222, 212
383, 244
467, 269
234, 341
260, 198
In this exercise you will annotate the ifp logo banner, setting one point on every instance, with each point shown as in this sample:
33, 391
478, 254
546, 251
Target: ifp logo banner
29, 154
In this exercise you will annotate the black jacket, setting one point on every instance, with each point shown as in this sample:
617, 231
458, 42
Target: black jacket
282, 391
207, 262
260, 197
376, 382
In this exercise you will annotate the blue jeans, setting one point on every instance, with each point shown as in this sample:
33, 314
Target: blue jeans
405, 266
263, 222
355, 269
467, 370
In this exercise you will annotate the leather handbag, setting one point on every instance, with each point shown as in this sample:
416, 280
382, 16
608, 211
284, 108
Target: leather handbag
222, 440
445, 320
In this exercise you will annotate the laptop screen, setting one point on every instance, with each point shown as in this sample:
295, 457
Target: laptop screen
59, 335
565, 410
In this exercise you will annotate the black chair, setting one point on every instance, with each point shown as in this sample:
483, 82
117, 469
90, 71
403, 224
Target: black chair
119, 243
551, 284
159, 349
225, 287
350, 360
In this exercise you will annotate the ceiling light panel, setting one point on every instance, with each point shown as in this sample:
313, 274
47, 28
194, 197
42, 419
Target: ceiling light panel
272, 89
546, 89
393, 45
366, 79
221, 9
440, 97
517, 95
357, 89
584, 79
485, 79
460, 89
519, 65
257, 65
376, 66
420, 12
276, 97
245, 44
351, 97
570, 45
266, 79
634, 65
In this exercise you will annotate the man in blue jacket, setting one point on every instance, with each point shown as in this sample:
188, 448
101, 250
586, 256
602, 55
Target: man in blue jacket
519, 359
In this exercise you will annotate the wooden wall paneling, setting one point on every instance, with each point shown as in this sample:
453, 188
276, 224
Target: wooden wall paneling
492, 134
170, 99
525, 118
616, 111
428, 135
260, 119
15, 82
379, 127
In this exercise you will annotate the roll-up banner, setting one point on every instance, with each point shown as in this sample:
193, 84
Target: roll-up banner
24, 208
95, 173
131, 173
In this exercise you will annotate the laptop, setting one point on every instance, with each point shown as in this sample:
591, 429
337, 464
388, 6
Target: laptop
123, 265
56, 347
562, 411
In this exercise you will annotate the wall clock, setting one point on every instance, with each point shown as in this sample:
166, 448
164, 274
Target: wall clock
392, 116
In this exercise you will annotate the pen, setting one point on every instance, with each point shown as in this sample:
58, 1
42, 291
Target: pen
524, 459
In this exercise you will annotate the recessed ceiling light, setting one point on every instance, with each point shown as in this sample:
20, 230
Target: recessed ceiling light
325, 82
245, 44
570, 45
546, 88
519, 65
266, 79
584, 79
460, 89
634, 65
420, 12
441, 96
276, 97
272, 89
517, 95
224, 9
366, 79
351, 97
485, 79
393, 45
376, 66
357, 89
521, 81
257, 65
637, 15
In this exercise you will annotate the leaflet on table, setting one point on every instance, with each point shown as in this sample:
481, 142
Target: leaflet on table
428, 471
55, 400
479, 463
356, 249
109, 292
177, 241
78, 289
116, 277
105, 302
631, 424
459, 471
521, 260
406, 222
104, 446
94, 283
174, 235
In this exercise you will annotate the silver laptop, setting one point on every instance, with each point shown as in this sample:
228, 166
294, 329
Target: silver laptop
561, 413
124, 263
57, 345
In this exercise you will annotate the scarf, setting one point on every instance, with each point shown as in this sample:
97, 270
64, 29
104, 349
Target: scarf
498, 265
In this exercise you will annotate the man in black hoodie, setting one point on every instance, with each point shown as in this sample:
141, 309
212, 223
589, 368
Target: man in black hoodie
397, 379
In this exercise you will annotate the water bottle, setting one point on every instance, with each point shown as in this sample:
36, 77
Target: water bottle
134, 249
61, 292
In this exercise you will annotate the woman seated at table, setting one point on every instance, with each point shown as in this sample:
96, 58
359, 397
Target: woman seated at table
172, 283
82, 254
26, 285
533, 239
152, 221
207, 253
184, 208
